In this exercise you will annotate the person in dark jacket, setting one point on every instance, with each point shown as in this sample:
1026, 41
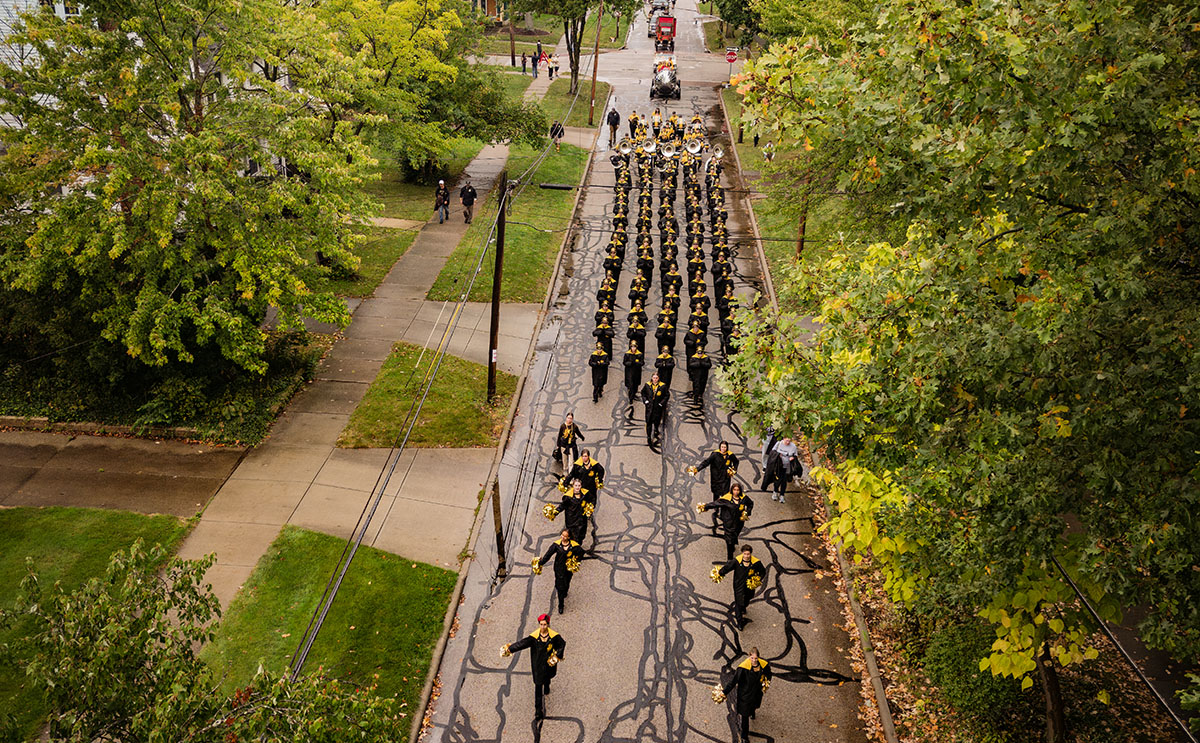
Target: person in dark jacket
614, 122
546, 649
567, 555
567, 441
634, 360
751, 679
604, 314
694, 338
636, 332
665, 333
734, 509
698, 365
655, 394
557, 132
441, 201
604, 334
467, 195
748, 572
599, 363
723, 467
590, 475
574, 507
782, 464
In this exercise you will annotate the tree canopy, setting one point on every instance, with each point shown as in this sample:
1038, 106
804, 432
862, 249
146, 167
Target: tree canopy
117, 661
1015, 380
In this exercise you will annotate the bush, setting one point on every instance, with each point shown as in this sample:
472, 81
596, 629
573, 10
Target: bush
952, 663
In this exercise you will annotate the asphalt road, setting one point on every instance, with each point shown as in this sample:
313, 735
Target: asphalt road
647, 632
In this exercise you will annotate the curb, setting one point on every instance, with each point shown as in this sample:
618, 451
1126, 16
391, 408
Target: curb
864, 634
42, 423
439, 650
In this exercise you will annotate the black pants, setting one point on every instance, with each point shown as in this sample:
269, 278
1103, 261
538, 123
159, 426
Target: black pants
653, 426
562, 585
699, 382
731, 540
540, 690
599, 377
740, 602
745, 724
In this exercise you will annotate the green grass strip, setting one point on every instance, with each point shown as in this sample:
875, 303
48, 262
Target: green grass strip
557, 100
529, 252
67, 545
381, 629
455, 414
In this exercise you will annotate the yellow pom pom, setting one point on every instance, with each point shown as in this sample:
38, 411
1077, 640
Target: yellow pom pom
718, 696
573, 564
505, 652
766, 683
588, 509
537, 566
701, 508
715, 574
753, 582
549, 511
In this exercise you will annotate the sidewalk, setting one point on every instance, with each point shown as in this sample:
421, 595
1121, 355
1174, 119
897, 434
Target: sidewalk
299, 476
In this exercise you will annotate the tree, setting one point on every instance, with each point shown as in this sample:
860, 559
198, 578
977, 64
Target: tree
828, 20
173, 168
740, 15
574, 14
117, 661
1013, 383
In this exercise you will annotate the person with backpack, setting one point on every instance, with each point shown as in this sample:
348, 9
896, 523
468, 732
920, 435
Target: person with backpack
556, 134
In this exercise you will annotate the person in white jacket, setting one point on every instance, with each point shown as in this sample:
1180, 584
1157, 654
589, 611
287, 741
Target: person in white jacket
783, 463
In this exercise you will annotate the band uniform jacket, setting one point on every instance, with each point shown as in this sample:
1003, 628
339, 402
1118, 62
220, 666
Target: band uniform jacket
747, 678
634, 360
742, 573
560, 555
655, 397
698, 365
568, 434
539, 653
665, 364
733, 514
571, 508
724, 467
590, 476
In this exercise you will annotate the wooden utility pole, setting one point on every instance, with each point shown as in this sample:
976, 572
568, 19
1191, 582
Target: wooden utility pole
494, 335
595, 65
512, 38
501, 560
800, 230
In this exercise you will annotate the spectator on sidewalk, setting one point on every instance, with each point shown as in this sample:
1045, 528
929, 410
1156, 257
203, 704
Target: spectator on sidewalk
468, 195
550, 68
441, 202
538, 58
536, 61
556, 134
524, 64
614, 121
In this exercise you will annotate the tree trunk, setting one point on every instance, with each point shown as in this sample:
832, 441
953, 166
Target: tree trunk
1056, 724
574, 34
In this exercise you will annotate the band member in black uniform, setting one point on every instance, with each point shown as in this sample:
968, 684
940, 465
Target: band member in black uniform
636, 332
748, 572
612, 262
734, 509
751, 679
634, 360
545, 651
575, 516
639, 288
567, 442
694, 338
671, 299
599, 363
590, 475
698, 365
699, 316
724, 466
604, 314
637, 312
607, 293
665, 333
665, 364
604, 333
567, 556
655, 394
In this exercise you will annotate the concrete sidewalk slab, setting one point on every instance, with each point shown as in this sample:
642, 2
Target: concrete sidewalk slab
256, 501
282, 462
124, 491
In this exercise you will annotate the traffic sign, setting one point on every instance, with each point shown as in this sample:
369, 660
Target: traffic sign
731, 56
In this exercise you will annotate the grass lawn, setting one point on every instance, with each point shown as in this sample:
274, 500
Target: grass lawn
382, 248
455, 414
400, 199
515, 84
547, 28
69, 545
556, 101
612, 34
528, 253
381, 629
715, 42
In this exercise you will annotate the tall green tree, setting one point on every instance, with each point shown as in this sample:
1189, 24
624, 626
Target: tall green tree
117, 661
574, 14
172, 169
1014, 382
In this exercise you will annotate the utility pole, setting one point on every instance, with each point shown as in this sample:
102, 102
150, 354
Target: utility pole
595, 65
501, 560
494, 335
512, 38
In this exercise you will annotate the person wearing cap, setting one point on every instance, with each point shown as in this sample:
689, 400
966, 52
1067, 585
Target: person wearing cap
566, 554
751, 678
546, 649
441, 202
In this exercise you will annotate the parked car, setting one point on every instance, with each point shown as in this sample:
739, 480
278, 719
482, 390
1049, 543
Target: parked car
652, 24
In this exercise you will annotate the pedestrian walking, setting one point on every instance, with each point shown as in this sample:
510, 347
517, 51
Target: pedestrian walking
733, 511
441, 202
655, 394
545, 651
567, 555
539, 51
556, 134
599, 363
751, 678
467, 196
748, 572
537, 61
783, 463
566, 441
634, 360
614, 122
524, 63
